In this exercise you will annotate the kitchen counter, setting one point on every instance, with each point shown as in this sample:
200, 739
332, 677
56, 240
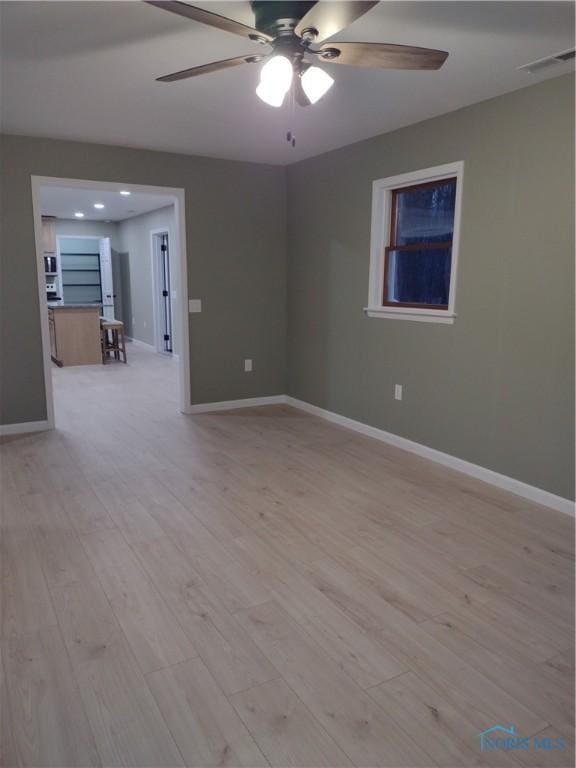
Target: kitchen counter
75, 333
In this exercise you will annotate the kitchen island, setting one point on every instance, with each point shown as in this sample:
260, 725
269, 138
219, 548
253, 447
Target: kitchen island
75, 333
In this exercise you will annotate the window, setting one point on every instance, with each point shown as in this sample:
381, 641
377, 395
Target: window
415, 225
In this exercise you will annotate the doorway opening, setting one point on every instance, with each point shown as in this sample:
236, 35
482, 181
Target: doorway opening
111, 256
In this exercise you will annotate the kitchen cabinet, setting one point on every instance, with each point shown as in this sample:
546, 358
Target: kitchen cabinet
75, 335
48, 235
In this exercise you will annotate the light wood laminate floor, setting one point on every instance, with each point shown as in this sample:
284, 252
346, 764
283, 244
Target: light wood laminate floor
260, 587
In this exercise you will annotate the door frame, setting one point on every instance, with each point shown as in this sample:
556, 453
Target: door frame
105, 246
156, 305
180, 263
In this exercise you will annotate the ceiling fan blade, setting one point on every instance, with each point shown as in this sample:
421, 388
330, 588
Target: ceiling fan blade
205, 69
212, 19
383, 55
328, 18
301, 98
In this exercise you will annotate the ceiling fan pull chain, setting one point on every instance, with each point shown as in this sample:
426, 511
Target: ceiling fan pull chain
290, 137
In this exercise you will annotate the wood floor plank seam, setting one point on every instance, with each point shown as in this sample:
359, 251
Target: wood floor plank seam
133, 637
316, 723
358, 754
438, 712
178, 736
8, 750
80, 714
131, 655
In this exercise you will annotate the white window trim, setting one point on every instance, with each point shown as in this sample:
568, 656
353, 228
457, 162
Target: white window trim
381, 212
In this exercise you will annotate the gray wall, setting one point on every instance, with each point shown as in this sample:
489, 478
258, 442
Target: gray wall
497, 387
235, 227
72, 227
134, 235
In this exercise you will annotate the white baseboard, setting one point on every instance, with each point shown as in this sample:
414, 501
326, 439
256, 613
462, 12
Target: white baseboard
530, 492
537, 495
26, 426
228, 405
143, 344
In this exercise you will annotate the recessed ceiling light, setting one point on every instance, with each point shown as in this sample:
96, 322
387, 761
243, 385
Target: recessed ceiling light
79, 215
125, 192
99, 205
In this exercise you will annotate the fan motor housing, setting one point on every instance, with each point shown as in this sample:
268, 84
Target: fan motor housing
275, 17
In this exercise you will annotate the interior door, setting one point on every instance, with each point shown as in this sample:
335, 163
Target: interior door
107, 279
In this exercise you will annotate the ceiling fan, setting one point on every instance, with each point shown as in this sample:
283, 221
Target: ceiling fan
295, 31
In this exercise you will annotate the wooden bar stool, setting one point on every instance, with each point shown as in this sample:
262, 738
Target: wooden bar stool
112, 340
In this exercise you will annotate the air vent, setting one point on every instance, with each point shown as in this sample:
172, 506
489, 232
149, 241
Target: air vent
550, 61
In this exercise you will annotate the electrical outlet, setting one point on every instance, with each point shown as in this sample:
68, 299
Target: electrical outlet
248, 365
397, 391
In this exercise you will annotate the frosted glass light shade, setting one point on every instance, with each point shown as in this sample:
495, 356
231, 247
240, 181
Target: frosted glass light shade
275, 80
316, 82
270, 95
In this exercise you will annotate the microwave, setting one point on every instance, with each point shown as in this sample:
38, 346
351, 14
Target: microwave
50, 265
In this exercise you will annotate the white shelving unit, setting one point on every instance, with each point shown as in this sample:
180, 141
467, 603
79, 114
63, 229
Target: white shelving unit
49, 249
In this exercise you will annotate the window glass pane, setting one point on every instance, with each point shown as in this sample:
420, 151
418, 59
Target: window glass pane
419, 276
425, 215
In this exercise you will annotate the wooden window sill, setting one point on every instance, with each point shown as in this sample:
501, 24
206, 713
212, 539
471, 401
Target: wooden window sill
406, 313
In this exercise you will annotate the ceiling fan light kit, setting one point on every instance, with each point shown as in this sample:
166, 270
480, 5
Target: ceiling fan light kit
294, 29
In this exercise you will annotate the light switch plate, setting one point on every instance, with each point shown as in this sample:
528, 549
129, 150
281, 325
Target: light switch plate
248, 365
195, 305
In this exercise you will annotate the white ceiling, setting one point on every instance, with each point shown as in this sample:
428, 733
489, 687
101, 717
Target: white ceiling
64, 202
86, 71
